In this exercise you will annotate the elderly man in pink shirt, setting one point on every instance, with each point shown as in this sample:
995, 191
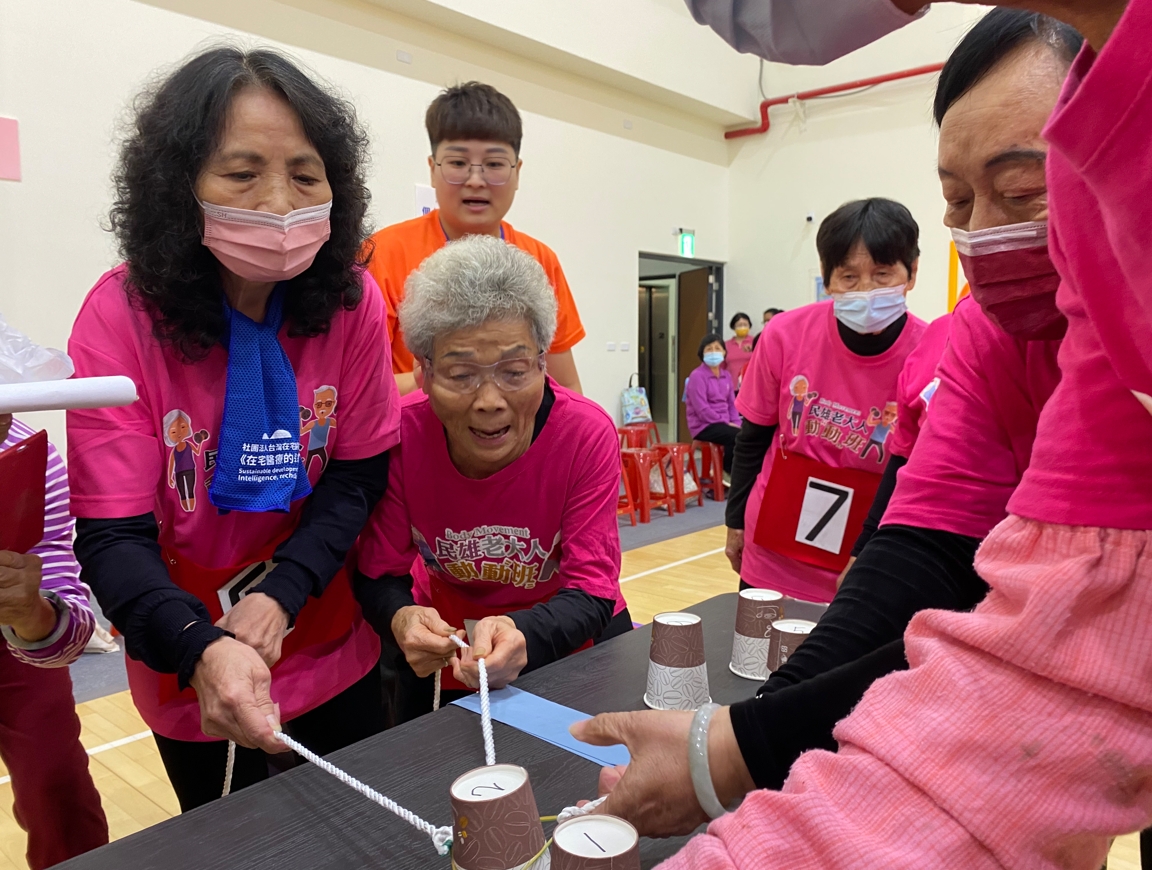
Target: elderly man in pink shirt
46, 620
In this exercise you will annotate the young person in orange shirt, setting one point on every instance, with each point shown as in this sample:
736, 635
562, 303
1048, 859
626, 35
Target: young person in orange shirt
475, 133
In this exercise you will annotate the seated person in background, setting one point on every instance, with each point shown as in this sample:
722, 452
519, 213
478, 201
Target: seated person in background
819, 401
45, 620
769, 313
711, 400
474, 131
501, 499
739, 347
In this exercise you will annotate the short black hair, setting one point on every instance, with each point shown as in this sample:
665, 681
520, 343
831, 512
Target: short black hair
992, 39
773, 311
178, 125
739, 315
887, 229
473, 110
707, 340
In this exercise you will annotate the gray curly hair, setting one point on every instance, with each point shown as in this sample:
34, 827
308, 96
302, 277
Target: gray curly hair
472, 281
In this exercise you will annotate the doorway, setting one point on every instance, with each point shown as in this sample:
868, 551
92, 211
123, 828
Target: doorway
680, 300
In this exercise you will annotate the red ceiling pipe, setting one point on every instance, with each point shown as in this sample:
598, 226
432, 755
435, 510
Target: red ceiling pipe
824, 92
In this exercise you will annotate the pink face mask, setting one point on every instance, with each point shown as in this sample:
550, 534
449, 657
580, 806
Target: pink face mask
1013, 279
260, 246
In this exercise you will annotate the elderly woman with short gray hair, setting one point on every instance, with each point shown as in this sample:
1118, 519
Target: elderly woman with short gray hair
500, 513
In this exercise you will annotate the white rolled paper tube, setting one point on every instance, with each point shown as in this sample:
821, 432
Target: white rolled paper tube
106, 392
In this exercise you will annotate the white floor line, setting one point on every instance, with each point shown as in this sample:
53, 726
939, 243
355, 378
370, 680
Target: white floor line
672, 565
103, 747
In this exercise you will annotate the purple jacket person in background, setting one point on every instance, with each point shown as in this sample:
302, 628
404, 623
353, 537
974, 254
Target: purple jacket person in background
711, 399
46, 621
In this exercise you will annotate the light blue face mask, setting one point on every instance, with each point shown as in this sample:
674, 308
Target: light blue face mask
713, 359
868, 311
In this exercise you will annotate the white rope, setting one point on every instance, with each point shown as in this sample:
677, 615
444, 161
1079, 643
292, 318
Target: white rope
486, 716
229, 767
574, 812
441, 837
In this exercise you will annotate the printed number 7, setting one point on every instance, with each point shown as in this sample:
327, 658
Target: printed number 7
841, 497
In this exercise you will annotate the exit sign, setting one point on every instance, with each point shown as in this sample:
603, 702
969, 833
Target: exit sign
686, 242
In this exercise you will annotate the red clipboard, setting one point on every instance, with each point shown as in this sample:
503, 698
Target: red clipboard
22, 471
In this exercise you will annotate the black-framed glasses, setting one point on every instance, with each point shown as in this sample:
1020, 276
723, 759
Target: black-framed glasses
509, 375
494, 170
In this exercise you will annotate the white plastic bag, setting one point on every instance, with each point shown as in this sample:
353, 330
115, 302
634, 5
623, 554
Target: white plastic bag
22, 361
667, 467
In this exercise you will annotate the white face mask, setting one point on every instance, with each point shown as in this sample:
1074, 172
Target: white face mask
868, 311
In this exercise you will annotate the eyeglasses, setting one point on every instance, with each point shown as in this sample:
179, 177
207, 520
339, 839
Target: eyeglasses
509, 375
494, 170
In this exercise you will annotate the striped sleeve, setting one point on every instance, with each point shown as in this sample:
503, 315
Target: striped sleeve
60, 583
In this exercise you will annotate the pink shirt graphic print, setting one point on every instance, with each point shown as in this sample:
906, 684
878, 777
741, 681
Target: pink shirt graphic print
545, 522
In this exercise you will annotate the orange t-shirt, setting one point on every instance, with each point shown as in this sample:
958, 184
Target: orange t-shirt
401, 248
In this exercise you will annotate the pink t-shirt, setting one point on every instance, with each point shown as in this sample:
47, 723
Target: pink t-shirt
1092, 463
124, 461
916, 386
545, 522
736, 360
977, 440
831, 405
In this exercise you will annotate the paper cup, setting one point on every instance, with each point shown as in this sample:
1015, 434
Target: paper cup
677, 674
595, 843
756, 610
495, 823
787, 635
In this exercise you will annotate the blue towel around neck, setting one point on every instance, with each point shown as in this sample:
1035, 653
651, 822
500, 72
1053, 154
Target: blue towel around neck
259, 466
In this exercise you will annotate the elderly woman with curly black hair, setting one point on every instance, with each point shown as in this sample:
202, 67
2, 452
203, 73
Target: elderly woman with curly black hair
215, 513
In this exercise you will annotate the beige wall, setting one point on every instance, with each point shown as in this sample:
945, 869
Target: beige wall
69, 70
879, 142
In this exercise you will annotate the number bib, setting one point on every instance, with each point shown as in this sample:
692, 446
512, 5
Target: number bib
813, 512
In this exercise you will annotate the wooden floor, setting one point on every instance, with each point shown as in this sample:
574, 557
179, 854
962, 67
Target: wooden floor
127, 768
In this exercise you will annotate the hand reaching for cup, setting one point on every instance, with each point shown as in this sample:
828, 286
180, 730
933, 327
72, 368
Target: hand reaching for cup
425, 639
654, 792
498, 641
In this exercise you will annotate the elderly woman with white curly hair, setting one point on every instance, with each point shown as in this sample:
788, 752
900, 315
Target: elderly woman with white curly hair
500, 512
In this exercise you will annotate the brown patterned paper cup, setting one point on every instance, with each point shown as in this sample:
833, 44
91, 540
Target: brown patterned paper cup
677, 674
756, 610
595, 843
787, 635
495, 823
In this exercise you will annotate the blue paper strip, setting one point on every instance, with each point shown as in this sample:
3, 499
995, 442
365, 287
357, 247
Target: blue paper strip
546, 720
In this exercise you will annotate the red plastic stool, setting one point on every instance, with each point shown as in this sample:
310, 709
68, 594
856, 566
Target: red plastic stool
631, 436
638, 464
639, 435
711, 467
626, 504
680, 455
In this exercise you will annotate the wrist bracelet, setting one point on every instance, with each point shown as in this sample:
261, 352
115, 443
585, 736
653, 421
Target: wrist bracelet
698, 762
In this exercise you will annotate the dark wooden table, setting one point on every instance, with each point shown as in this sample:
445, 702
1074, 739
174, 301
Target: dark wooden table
306, 820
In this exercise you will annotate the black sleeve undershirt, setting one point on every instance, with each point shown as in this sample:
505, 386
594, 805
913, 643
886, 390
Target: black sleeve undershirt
879, 503
753, 442
773, 730
168, 629
901, 571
